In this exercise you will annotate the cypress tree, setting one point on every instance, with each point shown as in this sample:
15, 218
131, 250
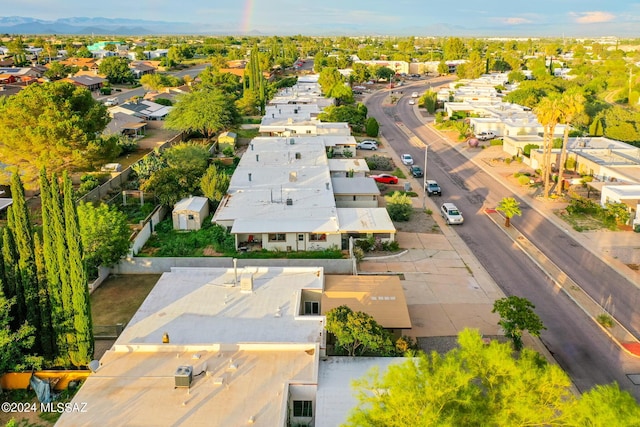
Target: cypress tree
50, 259
82, 352
12, 289
20, 225
65, 338
46, 336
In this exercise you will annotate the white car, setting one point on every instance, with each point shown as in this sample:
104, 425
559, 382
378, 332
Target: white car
412, 102
414, 95
451, 213
485, 136
110, 102
407, 159
367, 145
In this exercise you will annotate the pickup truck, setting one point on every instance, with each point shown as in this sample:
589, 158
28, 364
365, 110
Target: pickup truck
110, 102
485, 136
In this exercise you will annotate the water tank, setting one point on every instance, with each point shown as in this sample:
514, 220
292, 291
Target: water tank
183, 376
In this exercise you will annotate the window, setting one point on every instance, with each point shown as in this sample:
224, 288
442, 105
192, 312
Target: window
311, 307
191, 217
317, 237
277, 237
302, 408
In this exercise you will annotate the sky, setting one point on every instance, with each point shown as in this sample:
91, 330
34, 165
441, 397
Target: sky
574, 18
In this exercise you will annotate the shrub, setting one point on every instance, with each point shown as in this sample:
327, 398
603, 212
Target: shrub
358, 254
570, 163
496, 142
399, 206
228, 151
371, 127
508, 160
87, 183
376, 162
526, 150
391, 246
523, 180
605, 320
583, 205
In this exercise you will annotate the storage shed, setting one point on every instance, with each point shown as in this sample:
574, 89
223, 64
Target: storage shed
190, 213
227, 139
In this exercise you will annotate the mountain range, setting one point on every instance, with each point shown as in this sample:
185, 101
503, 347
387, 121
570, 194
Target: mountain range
84, 25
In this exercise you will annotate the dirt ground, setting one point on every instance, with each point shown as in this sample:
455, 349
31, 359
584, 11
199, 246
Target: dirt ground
420, 222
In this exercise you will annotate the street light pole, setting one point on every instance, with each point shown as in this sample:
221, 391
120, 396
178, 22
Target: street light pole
424, 178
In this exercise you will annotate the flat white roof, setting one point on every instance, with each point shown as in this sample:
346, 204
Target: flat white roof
371, 220
355, 185
277, 182
357, 165
5, 203
138, 388
207, 306
335, 397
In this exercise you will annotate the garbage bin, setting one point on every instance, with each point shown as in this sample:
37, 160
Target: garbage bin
407, 186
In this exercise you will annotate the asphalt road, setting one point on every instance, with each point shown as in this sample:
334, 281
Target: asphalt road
577, 343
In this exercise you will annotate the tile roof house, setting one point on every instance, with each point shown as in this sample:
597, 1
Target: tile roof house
92, 83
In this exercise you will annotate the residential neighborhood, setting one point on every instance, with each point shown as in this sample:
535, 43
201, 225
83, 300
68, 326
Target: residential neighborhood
224, 231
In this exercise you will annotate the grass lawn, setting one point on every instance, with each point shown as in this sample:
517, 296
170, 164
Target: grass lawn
119, 297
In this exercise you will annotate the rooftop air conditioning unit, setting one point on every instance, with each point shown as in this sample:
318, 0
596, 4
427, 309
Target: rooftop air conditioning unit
183, 376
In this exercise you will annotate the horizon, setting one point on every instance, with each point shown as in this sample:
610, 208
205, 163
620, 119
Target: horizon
494, 18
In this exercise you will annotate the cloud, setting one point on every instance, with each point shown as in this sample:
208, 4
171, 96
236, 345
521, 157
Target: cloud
516, 21
593, 17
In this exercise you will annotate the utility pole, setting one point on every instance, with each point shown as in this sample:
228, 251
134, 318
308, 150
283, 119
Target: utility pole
424, 178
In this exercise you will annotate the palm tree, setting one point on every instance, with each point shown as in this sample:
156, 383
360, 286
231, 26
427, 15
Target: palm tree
571, 105
509, 207
548, 115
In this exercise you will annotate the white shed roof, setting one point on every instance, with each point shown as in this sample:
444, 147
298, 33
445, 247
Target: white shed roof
191, 204
365, 220
355, 185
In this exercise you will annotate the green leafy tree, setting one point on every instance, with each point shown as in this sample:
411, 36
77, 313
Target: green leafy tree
170, 185
516, 76
603, 405
214, 184
399, 206
204, 112
358, 333
473, 385
516, 316
385, 73
83, 52
618, 212
354, 115
116, 69
443, 68
187, 156
49, 125
158, 81
430, 101
371, 126
105, 235
509, 206
342, 94
149, 164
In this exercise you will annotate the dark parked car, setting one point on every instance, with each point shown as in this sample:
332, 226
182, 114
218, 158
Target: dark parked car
432, 188
416, 171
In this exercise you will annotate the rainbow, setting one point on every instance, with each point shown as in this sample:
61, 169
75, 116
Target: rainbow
246, 17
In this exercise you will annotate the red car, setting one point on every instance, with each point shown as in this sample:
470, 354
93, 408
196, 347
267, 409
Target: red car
385, 178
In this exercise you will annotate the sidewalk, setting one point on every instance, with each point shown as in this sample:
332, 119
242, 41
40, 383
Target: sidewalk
603, 244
